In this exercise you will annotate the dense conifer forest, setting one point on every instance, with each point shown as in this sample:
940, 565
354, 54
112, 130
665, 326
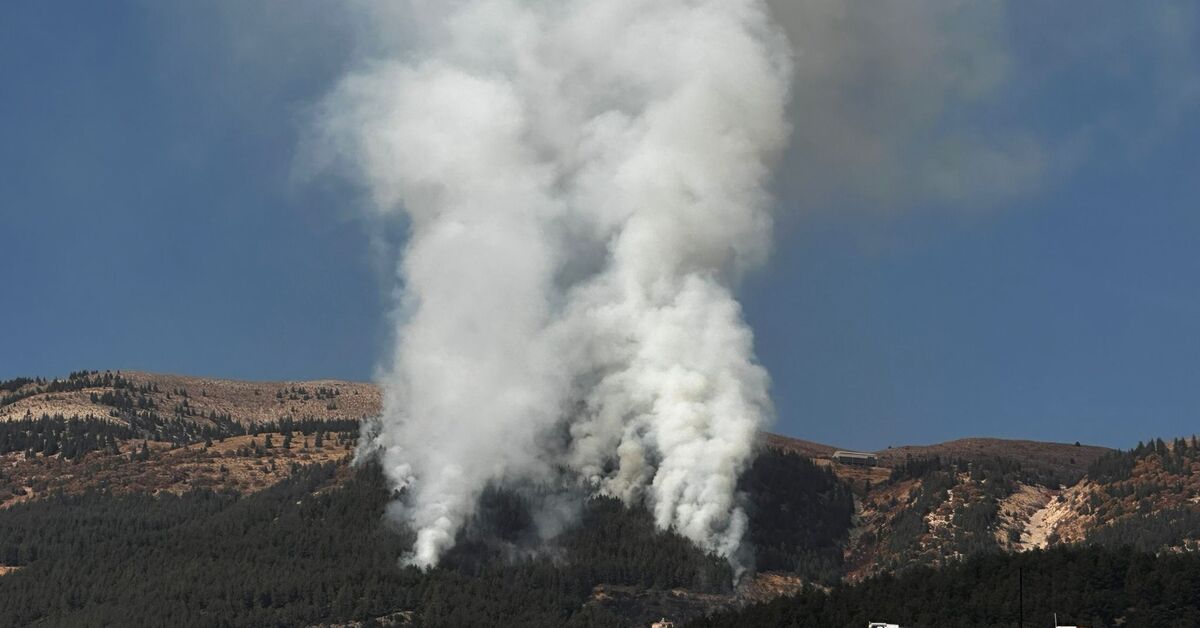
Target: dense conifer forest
785, 489
1092, 586
51, 435
285, 556
316, 549
309, 550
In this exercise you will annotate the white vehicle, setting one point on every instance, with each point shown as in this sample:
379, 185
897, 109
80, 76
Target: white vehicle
1058, 626
879, 624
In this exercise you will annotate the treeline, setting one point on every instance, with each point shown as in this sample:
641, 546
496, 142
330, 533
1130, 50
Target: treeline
1091, 586
123, 400
999, 471
301, 393
74, 437
306, 426
51, 435
1177, 458
344, 431
77, 380
17, 383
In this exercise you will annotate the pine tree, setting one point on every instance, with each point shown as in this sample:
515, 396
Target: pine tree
51, 445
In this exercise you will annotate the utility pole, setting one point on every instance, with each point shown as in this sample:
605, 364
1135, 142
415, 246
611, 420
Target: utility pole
1021, 596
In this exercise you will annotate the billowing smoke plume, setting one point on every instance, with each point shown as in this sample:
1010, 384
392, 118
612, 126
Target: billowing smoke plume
583, 182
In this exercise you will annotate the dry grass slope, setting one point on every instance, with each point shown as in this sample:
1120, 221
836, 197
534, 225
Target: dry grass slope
245, 402
1068, 460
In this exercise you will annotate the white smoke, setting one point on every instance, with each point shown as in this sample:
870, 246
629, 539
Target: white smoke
583, 183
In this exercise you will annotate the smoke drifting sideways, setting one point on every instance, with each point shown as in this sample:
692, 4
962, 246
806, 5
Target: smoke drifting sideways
583, 183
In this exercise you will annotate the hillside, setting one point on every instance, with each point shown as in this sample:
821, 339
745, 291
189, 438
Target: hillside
96, 440
1064, 462
1148, 496
1061, 462
245, 464
181, 408
937, 504
128, 396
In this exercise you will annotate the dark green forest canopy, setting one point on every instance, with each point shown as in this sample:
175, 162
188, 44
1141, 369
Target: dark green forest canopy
281, 557
295, 554
303, 553
800, 516
312, 550
1090, 586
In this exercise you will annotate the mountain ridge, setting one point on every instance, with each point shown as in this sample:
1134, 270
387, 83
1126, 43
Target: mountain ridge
914, 505
814, 521
248, 401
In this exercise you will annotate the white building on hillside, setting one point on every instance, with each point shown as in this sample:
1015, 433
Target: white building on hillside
855, 458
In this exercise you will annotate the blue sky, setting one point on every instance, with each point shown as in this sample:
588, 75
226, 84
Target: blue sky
988, 221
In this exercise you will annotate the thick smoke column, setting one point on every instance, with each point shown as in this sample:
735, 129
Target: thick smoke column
583, 183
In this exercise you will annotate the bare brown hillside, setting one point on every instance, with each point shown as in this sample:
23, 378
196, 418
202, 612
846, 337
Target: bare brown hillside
1067, 462
245, 464
797, 446
1070, 461
119, 393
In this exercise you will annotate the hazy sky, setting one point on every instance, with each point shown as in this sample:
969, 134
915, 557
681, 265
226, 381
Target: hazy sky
988, 224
